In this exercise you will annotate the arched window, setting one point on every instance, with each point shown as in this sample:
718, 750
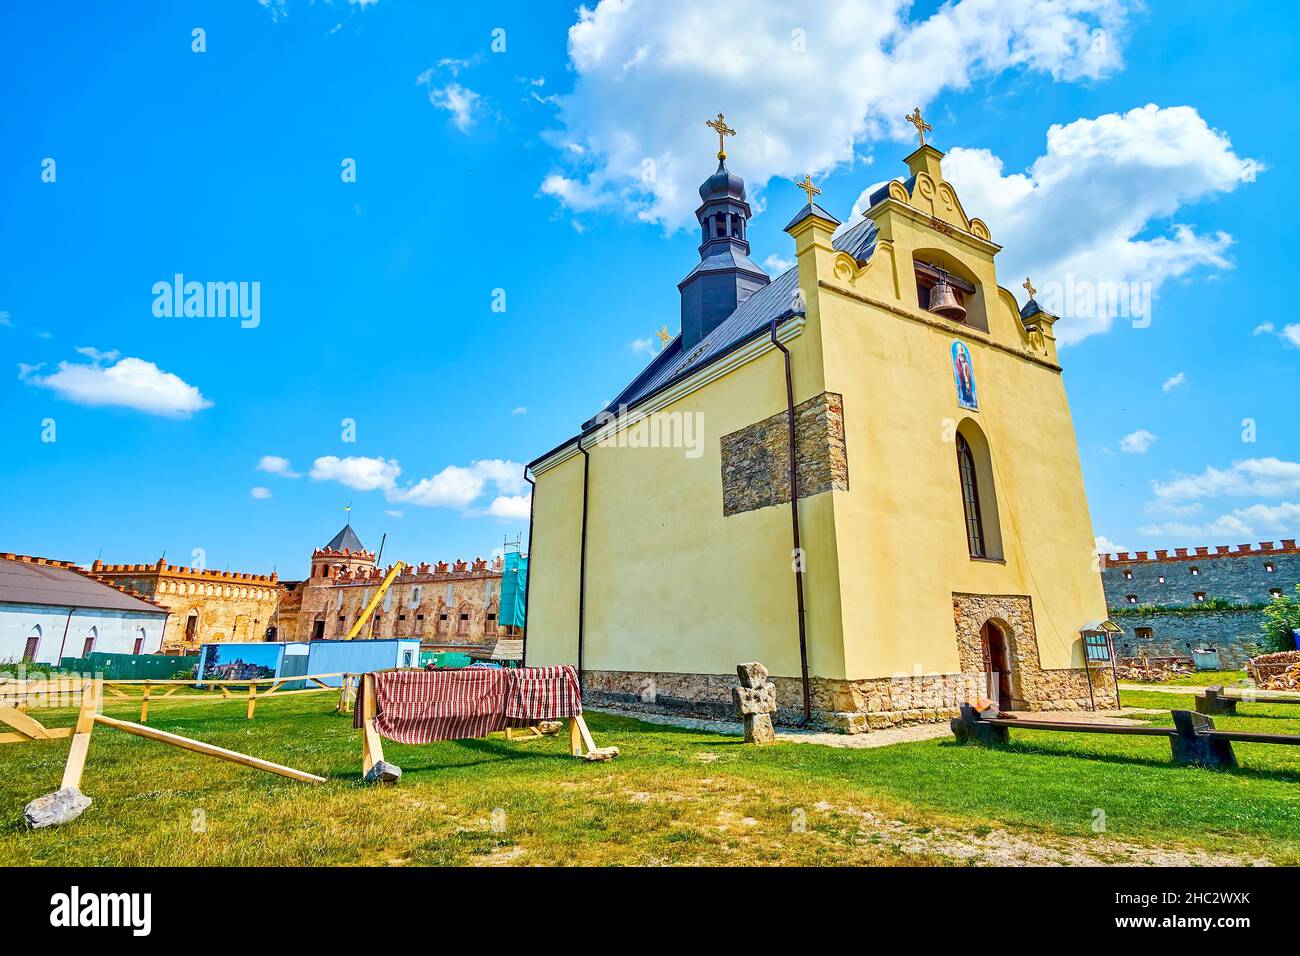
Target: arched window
141, 636
970, 498
89, 645
979, 494
33, 645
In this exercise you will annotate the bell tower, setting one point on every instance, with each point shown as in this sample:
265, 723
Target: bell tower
725, 277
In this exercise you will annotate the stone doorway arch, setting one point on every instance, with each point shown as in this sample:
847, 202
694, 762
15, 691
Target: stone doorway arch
996, 653
988, 623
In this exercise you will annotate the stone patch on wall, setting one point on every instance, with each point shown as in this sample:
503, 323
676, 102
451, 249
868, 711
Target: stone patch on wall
756, 459
1235, 634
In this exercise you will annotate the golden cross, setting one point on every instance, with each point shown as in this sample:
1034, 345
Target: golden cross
663, 335
922, 127
1029, 287
808, 187
723, 130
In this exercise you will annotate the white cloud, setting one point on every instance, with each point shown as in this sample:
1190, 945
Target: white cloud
1290, 334
510, 506
637, 63
1173, 382
519, 410
460, 101
645, 346
1106, 546
5, 319
359, 472
506, 476
455, 486
1258, 477
126, 383
459, 487
777, 264
1136, 443
1249, 522
1080, 220
393, 513
259, 492
275, 465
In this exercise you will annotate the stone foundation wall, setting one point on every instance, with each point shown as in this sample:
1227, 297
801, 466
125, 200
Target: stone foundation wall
848, 706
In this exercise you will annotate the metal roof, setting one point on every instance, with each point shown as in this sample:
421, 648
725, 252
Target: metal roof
751, 317
55, 585
345, 540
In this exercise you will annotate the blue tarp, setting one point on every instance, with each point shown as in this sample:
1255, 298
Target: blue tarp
514, 583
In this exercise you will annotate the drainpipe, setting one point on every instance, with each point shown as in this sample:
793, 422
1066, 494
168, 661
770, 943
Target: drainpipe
64, 642
794, 527
528, 576
582, 563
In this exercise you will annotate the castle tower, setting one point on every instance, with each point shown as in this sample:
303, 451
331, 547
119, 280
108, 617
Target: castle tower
344, 552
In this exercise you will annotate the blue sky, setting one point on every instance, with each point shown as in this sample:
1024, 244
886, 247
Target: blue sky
504, 147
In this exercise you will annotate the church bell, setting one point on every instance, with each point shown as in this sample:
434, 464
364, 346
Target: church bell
943, 301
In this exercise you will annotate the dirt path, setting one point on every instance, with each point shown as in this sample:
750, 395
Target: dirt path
1164, 688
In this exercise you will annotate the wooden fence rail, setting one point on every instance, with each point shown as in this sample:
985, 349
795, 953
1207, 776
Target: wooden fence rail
18, 697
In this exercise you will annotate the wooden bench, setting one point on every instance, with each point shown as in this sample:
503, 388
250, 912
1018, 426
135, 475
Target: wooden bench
1192, 739
1215, 701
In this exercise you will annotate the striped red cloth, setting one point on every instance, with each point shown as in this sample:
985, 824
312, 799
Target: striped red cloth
542, 693
419, 707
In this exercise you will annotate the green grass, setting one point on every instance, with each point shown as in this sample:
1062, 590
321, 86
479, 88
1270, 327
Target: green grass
674, 796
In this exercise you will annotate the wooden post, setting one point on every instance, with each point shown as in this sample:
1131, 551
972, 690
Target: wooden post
144, 706
575, 737
198, 746
1212, 703
90, 695
585, 733
252, 699
1191, 745
372, 747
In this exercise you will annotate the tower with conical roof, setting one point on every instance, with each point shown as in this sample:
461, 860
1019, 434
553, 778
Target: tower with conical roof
725, 277
345, 552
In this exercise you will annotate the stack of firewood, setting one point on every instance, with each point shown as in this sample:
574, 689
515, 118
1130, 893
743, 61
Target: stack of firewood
1153, 670
1275, 671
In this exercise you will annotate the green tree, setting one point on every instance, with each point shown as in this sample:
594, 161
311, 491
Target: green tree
1281, 619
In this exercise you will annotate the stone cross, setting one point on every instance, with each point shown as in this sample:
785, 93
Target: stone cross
755, 701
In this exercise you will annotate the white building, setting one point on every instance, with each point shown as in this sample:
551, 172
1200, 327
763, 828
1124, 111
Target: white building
53, 609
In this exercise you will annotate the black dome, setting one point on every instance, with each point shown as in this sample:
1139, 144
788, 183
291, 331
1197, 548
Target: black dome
723, 184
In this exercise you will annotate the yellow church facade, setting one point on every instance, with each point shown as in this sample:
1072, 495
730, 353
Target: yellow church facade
945, 550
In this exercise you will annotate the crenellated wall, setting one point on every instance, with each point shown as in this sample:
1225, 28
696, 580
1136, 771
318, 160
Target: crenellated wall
206, 606
1154, 596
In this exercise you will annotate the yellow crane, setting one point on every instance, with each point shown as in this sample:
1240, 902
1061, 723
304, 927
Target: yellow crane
378, 596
